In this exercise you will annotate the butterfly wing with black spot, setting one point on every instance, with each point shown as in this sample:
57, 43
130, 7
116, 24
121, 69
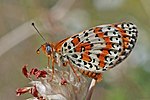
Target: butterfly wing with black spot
100, 48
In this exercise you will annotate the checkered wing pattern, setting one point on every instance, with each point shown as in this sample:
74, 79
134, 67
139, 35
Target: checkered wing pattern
100, 48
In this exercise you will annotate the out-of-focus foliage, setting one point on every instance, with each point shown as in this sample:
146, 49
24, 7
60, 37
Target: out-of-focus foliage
58, 19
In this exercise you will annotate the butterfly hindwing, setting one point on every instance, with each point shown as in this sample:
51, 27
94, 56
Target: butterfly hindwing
101, 47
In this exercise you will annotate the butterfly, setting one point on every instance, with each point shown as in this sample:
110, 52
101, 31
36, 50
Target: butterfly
95, 50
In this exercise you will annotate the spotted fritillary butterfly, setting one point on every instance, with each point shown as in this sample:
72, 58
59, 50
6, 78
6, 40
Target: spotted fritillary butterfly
95, 50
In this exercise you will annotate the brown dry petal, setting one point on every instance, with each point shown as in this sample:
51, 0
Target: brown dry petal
21, 91
25, 71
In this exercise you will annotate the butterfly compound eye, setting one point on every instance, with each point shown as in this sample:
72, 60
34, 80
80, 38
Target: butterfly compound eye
48, 48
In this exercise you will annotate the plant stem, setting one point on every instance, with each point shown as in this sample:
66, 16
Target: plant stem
90, 90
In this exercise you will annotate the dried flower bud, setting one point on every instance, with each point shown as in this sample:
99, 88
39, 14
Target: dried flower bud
64, 86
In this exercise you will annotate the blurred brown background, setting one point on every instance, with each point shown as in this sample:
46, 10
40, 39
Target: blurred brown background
58, 19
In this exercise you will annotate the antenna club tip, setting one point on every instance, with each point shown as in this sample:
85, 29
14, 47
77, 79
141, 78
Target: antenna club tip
32, 24
38, 31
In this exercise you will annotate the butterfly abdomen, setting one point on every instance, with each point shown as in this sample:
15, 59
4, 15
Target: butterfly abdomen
96, 76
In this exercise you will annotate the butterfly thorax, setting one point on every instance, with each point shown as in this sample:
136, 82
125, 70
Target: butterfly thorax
60, 59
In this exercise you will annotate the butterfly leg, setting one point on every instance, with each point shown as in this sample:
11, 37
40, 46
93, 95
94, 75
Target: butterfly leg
48, 62
52, 67
52, 75
74, 71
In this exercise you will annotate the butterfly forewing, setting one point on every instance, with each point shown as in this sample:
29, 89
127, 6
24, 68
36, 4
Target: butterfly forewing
100, 48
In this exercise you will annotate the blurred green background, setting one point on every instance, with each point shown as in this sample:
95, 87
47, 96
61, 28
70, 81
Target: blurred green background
58, 19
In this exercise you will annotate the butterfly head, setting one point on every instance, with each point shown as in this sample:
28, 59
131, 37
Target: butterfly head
47, 49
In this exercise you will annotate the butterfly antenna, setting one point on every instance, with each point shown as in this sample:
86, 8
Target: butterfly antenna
38, 32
